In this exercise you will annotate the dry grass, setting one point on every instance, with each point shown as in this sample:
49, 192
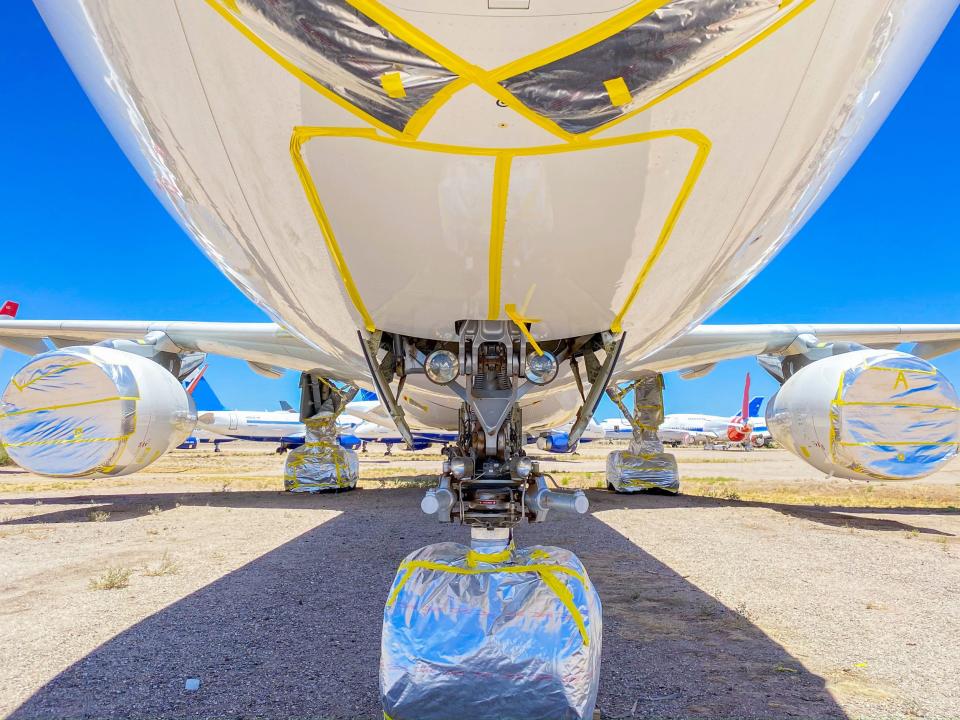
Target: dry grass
166, 566
4, 458
98, 516
114, 578
834, 494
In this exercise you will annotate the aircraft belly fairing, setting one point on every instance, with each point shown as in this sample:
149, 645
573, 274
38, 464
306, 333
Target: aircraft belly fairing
645, 224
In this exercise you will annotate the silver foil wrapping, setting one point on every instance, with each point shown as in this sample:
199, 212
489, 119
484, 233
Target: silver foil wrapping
894, 417
320, 464
655, 54
490, 637
92, 411
642, 466
347, 53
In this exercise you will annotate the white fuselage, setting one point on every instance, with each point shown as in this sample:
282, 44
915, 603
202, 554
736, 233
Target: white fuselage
687, 428
334, 220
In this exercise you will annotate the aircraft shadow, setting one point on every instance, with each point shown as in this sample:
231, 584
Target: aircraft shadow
296, 632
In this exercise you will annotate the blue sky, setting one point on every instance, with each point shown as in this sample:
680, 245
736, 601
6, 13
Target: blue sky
83, 238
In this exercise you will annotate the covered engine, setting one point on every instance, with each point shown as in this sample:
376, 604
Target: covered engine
868, 415
92, 412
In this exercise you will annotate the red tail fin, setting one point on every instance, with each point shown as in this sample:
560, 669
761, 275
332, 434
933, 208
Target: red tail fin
9, 308
745, 412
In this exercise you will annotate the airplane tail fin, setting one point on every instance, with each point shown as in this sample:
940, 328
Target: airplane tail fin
366, 395
747, 406
204, 396
755, 404
284, 405
9, 309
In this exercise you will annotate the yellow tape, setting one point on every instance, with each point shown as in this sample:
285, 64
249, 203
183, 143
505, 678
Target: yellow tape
33, 443
917, 371
901, 378
710, 69
894, 403
67, 405
393, 85
618, 91
699, 160
503, 157
498, 223
225, 12
547, 573
521, 322
61, 368
884, 443
474, 557
301, 135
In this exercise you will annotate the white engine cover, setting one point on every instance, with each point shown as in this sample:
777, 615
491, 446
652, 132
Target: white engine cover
868, 415
92, 412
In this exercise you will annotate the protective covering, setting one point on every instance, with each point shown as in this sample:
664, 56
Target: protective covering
349, 54
895, 417
321, 463
584, 90
487, 637
92, 411
868, 415
644, 465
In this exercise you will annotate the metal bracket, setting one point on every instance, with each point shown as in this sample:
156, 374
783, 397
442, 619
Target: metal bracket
384, 392
599, 384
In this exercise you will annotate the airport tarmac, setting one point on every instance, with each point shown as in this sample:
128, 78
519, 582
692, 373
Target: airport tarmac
763, 590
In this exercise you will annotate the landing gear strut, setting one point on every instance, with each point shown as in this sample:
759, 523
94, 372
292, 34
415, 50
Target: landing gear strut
461, 635
644, 465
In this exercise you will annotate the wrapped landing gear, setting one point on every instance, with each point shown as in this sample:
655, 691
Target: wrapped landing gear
489, 633
643, 465
321, 464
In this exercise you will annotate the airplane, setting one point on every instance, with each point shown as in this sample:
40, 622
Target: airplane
692, 428
490, 216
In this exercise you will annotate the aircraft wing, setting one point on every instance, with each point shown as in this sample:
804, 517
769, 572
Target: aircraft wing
695, 353
268, 344
263, 345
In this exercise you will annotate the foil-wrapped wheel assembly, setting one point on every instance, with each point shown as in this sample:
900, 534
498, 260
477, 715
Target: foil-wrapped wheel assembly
514, 633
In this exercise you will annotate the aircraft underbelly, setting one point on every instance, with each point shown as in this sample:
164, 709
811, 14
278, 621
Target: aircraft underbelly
332, 223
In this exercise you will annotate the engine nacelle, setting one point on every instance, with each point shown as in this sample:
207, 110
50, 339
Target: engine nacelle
555, 442
868, 415
92, 412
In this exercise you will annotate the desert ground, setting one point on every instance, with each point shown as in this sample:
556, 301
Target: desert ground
763, 590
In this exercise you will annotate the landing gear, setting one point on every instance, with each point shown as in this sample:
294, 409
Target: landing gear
465, 631
321, 464
644, 465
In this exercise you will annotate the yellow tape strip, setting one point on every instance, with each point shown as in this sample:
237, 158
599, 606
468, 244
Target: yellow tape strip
301, 135
521, 322
498, 223
79, 439
547, 573
474, 557
917, 371
503, 158
894, 403
884, 443
228, 14
699, 160
41, 376
393, 85
618, 91
758, 38
450, 60
66, 405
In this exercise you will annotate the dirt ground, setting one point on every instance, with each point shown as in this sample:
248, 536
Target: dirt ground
763, 590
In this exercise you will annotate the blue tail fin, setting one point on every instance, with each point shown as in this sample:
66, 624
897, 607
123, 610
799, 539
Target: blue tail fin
755, 404
366, 395
205, 398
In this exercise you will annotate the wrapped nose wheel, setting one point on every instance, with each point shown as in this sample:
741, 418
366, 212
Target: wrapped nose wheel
491, 630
